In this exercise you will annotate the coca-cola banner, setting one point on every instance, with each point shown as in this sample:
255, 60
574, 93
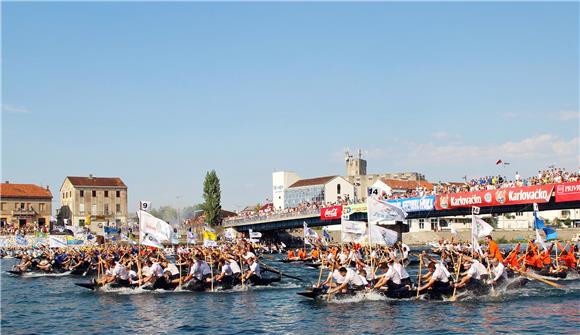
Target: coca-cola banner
331, 213
568, 191
499, 197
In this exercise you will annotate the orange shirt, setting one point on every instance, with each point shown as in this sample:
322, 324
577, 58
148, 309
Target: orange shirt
315, 253
494, 251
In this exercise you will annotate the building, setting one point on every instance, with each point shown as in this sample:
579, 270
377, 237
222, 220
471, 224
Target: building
281, 180
25, 204
318, 190
94, 201
356, 174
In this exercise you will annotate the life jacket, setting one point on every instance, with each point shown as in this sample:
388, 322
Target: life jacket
290, 254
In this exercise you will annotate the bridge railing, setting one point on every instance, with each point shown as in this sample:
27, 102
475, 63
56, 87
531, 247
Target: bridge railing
271, 217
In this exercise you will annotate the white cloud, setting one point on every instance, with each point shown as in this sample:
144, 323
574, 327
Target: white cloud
440, 135
14, 109
510, 115
568, 115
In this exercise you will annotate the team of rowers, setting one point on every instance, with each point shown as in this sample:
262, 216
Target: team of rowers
195, 268
354, 268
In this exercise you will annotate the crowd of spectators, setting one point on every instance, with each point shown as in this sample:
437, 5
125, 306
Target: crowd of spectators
548, 176
30, 229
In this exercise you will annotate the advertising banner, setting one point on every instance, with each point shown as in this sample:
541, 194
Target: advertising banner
347, 210
426, 203
499, 197
331, 213
568, 191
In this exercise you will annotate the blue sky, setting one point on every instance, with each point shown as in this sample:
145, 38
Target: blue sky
158, 94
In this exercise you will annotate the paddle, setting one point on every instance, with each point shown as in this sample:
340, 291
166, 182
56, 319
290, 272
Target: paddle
454, 297
268, 268
535, 277
419, 276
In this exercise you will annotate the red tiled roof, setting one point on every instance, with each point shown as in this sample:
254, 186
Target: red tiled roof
96, 182
407, 184
24, 191
312, 181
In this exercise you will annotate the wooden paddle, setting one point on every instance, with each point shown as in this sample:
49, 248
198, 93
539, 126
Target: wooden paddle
454, 297
536, 277
419, 276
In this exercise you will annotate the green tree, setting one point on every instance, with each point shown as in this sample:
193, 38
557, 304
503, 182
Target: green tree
165, 213
212, 198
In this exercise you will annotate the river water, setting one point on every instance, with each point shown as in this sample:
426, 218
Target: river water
56, 306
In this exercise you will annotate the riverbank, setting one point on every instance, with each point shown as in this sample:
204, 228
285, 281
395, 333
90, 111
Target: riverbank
502, 236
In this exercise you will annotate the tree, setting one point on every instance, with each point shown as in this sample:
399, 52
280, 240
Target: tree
165, 213
212, 198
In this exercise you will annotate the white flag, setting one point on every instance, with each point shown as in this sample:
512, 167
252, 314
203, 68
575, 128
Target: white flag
255, 234
480, 228
379, 211
145, 205
540, 240
353, 227
454, 231
383, 236
153, 231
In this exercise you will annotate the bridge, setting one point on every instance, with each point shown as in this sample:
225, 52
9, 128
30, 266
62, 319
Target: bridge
312, 217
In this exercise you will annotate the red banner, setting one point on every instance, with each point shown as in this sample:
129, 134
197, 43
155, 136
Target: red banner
499, 197
568, 191
330, 213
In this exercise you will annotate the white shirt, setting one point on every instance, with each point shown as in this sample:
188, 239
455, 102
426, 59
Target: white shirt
255, 268
337, 277
498, 271
199, 269
156, 270
352, 278
173, 269
440, 275
235, 267
227, 270
120, 272
146, 271
405, 249
393, 275
476, 270
400, 270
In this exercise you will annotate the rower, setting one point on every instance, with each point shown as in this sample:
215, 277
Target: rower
119, 275
498, 272
351, 280
439, 281
253, 274
391, 277
334, 278
472, 279
226, 273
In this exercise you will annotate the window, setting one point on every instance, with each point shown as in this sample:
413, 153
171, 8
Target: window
21, 205
421, 223
94, 209
106, 194
41, 207
94, 193
82, 193
82, 209
118, 194
337, 188
118, 208
519, 213
565, 213
106, 209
